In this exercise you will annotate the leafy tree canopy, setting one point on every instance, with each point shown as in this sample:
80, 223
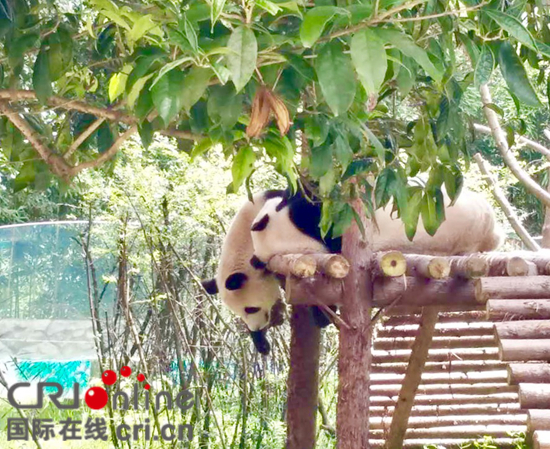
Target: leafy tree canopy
326, 91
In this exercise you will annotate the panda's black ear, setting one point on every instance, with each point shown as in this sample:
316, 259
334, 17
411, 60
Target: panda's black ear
235, 281
210, 286
260, 225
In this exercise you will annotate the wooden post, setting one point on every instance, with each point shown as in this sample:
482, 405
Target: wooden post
413, 376
352, 421
303, 380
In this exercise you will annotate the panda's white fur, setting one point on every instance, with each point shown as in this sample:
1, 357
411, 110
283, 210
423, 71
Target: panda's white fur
257, 290
470, 227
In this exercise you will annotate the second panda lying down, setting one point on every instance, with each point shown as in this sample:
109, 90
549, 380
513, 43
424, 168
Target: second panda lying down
286, 224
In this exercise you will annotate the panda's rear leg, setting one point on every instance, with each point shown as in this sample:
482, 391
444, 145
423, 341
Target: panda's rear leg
321, 318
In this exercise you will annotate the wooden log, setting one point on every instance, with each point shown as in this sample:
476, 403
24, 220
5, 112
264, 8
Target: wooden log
413, 375
303, 379
518, 309
466, 354
518, 266
470, 432
413, 312
471, 330
469, 267
454, 410
332, 265
299, 265
355, 339
393, 390
534, 396
445, 378
532, 329
427, 266
424, 422
450, 366
541, 439
314, 290
538, 420
422, 292
391, 263
532, 287
437, 342
501, 443
394, 317
500, 398
534, 373
524, 350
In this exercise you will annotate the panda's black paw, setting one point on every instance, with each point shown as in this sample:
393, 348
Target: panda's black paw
261, 343
257, 263
320, 317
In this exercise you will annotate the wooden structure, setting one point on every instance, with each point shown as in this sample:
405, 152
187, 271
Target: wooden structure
462, 352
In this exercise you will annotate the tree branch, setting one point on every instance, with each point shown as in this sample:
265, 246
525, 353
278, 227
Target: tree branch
86, 108
522, 140
502, 144
57, 163
82, 137
506, 207
106, 155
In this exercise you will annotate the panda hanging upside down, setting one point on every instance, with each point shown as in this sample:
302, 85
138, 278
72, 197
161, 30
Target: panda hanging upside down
277, 222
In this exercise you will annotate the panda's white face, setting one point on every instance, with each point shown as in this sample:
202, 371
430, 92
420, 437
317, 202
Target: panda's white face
273, 232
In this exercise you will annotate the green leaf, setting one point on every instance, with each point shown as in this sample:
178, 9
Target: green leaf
516, 78
224, 105
407, 46
342, 220
327, 182
484, 67
412, 213
241, 61
243, 165
201, 147
382, 191
342, 151
117, 83
453, 183
514, 27
316, 128
314, 23
216, 9
105, 138
41, 80
359, 166
190, 34
170, 66
431, 209
373, 140
166, 95
270, 7
194, 85
146, 132
143, 25
321, 161
370, 60
335, 74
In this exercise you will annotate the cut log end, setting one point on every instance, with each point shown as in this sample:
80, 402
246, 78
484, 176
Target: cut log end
304, 266
439, 268
392, 264
335, 266
517, 266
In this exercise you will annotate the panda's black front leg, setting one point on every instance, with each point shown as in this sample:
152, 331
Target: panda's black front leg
261, 343
320, 317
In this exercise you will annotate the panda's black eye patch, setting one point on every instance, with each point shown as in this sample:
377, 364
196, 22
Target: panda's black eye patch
235, 281
251, 310
257, 263
262, 224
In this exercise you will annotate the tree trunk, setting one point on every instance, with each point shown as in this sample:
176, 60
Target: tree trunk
303, 380
352, 422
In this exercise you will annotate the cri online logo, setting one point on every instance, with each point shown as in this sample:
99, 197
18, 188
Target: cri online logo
96, 397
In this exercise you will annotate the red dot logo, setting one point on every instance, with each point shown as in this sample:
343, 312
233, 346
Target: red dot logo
109, 377
140, 377
125, 371
147, 386
96, 398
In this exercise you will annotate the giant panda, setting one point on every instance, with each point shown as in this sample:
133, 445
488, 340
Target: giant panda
291, 225
249, 292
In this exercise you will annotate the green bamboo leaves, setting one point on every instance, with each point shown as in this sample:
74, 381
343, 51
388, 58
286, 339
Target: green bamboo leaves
241, 60
336, 77
484, 67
